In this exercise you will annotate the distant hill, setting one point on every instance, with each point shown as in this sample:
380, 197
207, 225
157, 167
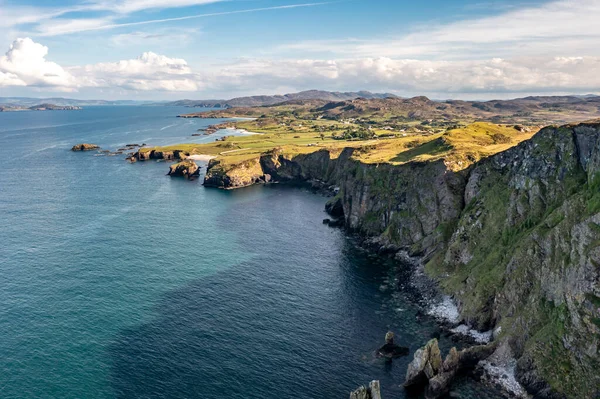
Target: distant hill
39, 107
258, 101
529, 110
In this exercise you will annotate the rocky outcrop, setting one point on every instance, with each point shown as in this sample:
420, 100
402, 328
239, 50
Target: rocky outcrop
85, 147
428, 371
187, 169
515, 239
335, 207
426, 363
158, 155
239, 175
373, 391
390, 350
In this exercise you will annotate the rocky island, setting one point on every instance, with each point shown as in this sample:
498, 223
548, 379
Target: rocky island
85, 147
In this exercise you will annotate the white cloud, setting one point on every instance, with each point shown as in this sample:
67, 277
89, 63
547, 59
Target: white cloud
156, 37
25, 64
568, 27
129, 6
63, 26
541, 74
148, 72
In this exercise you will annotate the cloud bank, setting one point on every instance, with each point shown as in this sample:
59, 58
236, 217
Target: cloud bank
25, 64
544, 49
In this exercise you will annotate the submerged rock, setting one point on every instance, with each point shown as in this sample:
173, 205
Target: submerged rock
85, 147
373, 391
187, 169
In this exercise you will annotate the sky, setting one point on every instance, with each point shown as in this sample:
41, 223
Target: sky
219, 49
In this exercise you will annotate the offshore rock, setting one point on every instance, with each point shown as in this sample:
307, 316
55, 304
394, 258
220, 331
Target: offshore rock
85, 147
187, 169
373, 391
391, 350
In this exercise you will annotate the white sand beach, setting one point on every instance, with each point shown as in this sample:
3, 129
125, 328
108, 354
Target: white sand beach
201, 157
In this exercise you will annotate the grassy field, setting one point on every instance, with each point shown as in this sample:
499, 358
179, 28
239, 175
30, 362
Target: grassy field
458, 147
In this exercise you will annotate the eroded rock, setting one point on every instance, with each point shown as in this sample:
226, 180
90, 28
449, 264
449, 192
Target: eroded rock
187, 169
427, 369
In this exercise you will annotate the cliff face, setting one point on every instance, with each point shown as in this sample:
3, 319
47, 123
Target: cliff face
155, 154
525, 256
515, 239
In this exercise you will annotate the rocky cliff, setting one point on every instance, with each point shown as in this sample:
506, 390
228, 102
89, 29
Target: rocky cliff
142, 155
515, 239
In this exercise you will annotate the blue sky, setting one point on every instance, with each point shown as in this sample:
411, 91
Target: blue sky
166, 49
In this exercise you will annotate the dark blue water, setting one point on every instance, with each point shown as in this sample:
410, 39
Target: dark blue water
117, 281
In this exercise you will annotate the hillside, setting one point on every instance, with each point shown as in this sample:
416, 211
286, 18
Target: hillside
398, 112
39, 107
258, 101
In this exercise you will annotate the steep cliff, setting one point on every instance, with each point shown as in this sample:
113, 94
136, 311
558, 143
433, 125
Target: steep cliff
525, 256
515, 239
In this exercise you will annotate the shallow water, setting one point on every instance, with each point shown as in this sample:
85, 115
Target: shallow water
117, 281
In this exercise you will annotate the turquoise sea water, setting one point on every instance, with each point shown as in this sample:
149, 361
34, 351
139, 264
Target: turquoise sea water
117, 281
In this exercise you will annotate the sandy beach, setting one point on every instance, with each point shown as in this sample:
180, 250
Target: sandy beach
201, 157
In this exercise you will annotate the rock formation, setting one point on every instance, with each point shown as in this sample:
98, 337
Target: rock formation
85, 147
428, 370
373, 391
187, 169
142, 155
390, 350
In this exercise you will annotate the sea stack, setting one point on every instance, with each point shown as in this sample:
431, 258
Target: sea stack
187, 169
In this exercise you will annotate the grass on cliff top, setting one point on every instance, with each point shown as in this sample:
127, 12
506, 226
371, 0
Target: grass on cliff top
459, 147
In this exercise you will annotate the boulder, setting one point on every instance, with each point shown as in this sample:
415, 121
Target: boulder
373, 391
187, 169
85, 147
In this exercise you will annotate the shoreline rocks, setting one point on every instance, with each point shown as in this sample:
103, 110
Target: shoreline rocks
427, 370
